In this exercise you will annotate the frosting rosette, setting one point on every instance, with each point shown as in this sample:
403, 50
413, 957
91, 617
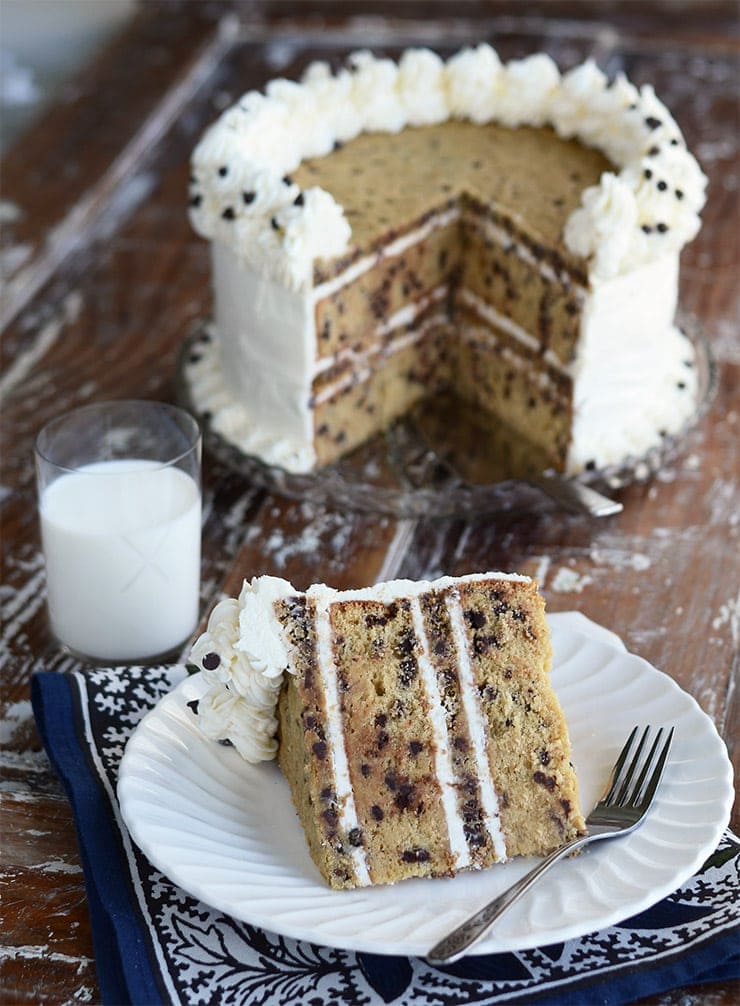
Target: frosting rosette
242, 656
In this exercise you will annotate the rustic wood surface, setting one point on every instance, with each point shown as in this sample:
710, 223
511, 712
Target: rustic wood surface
104, 278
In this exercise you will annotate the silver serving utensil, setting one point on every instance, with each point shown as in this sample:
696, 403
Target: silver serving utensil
576, 497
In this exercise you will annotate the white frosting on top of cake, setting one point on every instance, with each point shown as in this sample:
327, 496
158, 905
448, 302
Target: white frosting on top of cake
242, 195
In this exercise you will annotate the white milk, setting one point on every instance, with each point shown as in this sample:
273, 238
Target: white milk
122, 546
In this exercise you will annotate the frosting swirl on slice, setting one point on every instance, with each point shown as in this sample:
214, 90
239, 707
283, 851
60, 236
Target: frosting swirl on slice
243, 656
241, 192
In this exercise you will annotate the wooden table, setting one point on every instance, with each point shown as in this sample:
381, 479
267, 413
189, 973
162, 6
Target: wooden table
106, 278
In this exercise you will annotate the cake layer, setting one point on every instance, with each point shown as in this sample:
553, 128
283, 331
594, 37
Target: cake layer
504, 273
508, 648
512, 384
304, 746
365, 400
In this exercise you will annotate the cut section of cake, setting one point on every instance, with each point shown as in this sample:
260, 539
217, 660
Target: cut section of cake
414, 721
503, 231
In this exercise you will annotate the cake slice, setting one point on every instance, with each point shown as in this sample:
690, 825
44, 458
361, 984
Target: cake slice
416, 723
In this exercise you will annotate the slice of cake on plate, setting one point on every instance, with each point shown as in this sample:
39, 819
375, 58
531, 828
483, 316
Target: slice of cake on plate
502, 231
414, 721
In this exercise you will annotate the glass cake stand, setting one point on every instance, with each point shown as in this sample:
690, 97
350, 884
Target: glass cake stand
431, 465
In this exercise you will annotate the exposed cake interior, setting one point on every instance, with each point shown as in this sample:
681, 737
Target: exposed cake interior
417, 725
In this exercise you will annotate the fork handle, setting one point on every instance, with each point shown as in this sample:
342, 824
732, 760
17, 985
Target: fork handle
451, 947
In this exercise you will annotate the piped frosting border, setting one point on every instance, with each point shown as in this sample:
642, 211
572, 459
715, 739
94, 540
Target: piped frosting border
241, 191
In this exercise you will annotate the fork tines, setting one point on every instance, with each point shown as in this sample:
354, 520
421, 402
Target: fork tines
621, 791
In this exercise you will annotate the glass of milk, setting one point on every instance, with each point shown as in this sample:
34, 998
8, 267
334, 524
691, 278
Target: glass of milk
120, 504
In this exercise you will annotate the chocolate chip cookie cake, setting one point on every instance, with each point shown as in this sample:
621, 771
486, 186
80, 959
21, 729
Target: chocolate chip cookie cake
503, 231
415, 721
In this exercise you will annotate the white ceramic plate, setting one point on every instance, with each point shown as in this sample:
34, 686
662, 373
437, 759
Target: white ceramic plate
226, 831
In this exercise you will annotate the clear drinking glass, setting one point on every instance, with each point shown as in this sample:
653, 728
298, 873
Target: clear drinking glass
120, 504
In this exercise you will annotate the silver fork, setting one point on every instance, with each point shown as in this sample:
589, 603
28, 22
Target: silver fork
622, 807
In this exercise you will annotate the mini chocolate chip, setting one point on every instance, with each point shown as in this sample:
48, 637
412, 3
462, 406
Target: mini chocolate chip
390, 781
330, 816
228, 213
651, 122
661, 228
475, 618
299, 200
196, 201
461, 744
404, 797
249, 197
319, 749
679, 194
225, 743
653, 152
381, 719
377, 812
415, 855
647, 228
544, 758
591, 465
211, 661
327, 793
547, 781
383, 739
365, 769
681, 385
355, 837
223, 170
415, 747
674, 142
662, 186
648, 173
274, 223
338, 144
287, 180
193, 706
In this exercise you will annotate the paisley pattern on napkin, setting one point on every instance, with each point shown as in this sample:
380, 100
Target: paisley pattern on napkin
206, 957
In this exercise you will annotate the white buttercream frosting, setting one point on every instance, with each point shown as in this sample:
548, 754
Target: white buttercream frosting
243, 656
242, 195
